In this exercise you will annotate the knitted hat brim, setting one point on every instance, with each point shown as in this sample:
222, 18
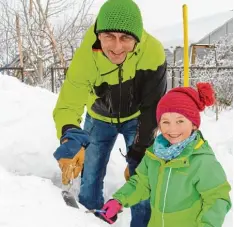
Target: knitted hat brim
119, 30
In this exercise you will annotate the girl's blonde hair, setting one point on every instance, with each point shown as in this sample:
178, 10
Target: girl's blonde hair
155, 132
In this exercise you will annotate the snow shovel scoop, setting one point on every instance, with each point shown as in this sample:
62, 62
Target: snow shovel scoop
68, 197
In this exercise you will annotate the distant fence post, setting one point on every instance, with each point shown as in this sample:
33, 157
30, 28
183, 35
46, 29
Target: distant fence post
22, 74
52, 79
173, 78
65, 72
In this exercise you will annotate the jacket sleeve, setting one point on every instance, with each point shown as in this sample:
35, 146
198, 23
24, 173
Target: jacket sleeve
74, 92
136, 189
214, 190
153, 87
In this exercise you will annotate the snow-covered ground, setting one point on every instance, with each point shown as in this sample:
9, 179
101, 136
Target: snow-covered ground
29, 176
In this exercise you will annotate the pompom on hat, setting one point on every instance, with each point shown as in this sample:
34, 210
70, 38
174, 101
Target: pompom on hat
120, 16
187, 101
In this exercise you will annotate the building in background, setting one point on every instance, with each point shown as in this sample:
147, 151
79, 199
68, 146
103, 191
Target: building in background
205, 30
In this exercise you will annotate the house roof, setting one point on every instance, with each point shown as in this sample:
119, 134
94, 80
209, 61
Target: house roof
172, 36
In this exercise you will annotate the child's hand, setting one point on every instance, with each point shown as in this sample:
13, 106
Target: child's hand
112, 208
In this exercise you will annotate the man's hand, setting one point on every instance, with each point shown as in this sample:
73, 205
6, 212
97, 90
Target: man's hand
135, 153
70, 154
71, 167
126, 173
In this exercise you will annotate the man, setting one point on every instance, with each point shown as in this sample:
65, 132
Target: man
119, 74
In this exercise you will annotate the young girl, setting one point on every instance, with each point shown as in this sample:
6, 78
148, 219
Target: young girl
180, 175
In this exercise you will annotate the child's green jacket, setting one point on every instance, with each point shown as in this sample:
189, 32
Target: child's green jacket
189, 191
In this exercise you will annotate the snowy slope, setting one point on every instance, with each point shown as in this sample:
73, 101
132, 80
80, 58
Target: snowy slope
28, 171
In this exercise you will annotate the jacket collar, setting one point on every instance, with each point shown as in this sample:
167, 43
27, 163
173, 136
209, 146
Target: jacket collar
183, 159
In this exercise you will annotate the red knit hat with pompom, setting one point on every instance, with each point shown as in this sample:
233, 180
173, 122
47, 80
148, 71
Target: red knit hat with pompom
187, 101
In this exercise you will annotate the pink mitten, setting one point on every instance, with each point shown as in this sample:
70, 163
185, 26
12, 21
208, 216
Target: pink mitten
112, 207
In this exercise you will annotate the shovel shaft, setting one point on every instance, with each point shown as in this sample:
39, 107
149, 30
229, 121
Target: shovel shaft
95, 211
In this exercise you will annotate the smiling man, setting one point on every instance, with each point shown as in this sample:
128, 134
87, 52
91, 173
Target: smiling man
119, 74
116, 45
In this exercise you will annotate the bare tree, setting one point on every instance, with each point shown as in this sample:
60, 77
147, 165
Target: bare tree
47, 38
221, 78
215, 67
8, 38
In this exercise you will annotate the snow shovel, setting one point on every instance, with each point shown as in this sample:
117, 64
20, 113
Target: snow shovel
68, 197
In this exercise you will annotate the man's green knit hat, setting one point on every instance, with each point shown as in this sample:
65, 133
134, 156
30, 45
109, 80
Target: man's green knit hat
120, 16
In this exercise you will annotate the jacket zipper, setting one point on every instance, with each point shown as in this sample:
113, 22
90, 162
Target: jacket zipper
109, 94
165, 197
130, 96
110, 103
120, 75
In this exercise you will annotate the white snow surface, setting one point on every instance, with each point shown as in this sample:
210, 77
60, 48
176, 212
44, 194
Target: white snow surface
29, 194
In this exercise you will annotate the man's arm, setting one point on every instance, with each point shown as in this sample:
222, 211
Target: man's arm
154, 90
154, 86
74, 92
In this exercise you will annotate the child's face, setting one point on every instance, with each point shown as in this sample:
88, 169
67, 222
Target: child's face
175, 127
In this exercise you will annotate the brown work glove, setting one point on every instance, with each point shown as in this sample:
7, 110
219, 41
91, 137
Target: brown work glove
71, 167
70, 153
126, 173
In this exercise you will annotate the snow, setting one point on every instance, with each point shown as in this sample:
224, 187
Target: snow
29, 175
172, 36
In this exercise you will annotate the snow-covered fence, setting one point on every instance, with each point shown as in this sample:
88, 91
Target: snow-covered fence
58, 75
14, 71
54, 78
220, 77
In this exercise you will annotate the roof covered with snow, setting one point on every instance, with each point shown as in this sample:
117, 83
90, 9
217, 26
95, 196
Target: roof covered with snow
198, 28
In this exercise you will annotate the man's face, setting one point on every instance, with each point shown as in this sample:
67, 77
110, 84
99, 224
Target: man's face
116, 45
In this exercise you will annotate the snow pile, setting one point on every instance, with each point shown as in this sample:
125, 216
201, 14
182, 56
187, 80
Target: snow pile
27, 167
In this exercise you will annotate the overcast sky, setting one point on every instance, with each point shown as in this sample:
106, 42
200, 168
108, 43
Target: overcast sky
157, 14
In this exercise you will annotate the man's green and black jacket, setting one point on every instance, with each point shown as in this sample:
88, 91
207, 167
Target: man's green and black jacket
113, 93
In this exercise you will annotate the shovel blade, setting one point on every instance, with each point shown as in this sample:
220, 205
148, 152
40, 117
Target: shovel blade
69, 199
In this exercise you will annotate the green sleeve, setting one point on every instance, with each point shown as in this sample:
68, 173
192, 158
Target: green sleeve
77, 85
136, 189
214, 190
